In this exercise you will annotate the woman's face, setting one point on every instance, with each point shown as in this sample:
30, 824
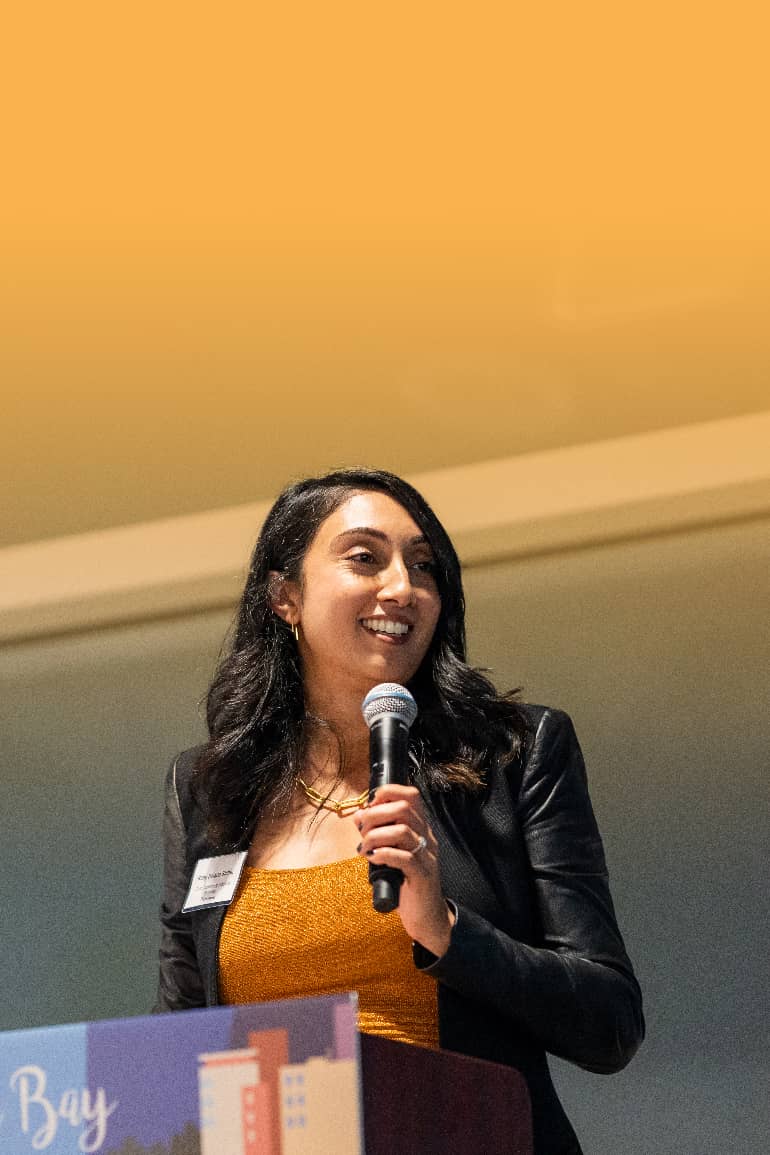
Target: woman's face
368, 602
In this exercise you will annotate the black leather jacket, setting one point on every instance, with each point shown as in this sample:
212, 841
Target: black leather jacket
536, 962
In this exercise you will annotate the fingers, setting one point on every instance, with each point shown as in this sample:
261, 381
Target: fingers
392, 791
394, 831
400, 837
393, 805
413, 860
412, 867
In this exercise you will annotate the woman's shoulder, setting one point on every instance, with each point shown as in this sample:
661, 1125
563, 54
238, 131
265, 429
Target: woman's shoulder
179, 777
542, 749
549, 763
535, 713
541, 722
186, 761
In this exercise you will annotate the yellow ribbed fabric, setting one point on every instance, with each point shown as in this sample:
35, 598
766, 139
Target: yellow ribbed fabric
294, 933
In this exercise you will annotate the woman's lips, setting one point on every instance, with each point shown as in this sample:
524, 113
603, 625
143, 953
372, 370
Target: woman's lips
385, 631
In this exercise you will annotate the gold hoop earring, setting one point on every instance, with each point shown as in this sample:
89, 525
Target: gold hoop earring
295, 631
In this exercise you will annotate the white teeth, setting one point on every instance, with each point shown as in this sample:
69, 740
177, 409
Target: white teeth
385, 626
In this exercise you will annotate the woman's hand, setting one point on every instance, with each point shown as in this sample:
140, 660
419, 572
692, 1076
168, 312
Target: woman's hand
393, 828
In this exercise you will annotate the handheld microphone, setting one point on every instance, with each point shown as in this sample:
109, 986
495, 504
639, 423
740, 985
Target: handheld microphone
389, 710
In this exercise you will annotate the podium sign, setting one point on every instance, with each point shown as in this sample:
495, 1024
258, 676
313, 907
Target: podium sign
286, 1078
266, 1079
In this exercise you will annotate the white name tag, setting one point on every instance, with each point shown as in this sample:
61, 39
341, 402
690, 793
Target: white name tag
214, 881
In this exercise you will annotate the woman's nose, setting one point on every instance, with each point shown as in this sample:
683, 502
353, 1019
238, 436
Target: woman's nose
397, 584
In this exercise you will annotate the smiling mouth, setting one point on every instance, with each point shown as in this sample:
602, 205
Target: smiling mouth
386, 627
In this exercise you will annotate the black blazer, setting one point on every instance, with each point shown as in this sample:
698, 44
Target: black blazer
536, 962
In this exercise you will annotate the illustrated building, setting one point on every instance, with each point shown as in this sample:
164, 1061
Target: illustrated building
254, 1102
320, 1110
272, 1050
259, 1115
345, 1032
224, 1078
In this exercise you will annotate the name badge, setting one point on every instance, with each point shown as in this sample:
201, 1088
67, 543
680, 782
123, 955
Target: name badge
214, 881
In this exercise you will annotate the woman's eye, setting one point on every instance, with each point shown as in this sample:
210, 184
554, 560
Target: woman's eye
425, 566
363, 556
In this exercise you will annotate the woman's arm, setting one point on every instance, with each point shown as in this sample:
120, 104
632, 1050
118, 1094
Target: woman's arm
576, 993
179, 983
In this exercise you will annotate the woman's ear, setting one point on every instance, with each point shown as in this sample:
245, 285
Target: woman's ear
283, 597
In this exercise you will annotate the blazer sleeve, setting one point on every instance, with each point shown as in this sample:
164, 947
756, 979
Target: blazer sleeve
574, 992
180, 985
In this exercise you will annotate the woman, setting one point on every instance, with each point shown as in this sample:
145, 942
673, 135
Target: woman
504, 944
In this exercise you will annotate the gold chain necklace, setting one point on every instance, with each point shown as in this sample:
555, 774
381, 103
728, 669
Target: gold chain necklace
340, 808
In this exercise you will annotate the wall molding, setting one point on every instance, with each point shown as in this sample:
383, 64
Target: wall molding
627, 487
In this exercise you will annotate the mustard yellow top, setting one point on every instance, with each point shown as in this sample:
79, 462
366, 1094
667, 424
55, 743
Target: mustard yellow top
312, 931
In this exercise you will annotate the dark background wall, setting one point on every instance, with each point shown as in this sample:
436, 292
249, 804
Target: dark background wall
656, 649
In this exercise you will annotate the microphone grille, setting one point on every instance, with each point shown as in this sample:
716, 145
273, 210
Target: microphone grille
388, 698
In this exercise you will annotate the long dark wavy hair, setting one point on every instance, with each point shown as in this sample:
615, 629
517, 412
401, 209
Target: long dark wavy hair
255, 705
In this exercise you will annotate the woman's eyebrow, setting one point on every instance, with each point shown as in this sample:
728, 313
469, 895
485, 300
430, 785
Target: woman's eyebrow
369, 531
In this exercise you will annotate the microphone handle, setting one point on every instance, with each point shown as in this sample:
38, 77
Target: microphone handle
388, 759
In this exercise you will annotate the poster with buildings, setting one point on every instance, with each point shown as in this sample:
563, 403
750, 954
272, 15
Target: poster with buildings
265, 1079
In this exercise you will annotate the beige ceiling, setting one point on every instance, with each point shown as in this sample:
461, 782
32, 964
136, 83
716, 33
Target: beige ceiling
240, 251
